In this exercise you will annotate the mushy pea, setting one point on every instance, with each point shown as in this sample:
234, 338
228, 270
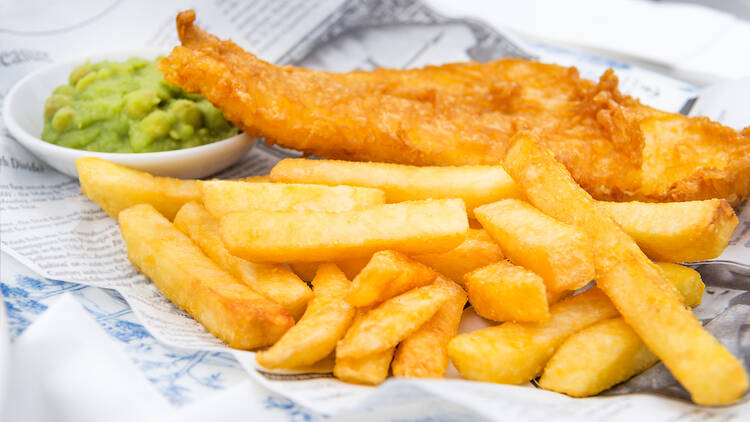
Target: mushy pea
128, 107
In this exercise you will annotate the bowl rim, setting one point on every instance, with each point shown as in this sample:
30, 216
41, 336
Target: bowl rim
17, 131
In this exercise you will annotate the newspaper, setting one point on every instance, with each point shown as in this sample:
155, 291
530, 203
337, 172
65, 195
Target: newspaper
698, 43
48, 225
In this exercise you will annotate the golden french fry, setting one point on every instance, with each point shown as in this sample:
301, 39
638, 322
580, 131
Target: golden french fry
325, 321
476, 251
676, 231
596, 358
273, 281
388, 274
223, 197
183, 274
392, 321
424, 354
476, 185
700, 363
114, 188
687, 281
515, 352
561, 254
310, 236
507, 292
609, 352
370, 369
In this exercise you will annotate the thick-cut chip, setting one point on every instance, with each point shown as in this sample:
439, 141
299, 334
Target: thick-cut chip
388, 274
325, 321
476, 185
309, 236
596, 358
609, 352
676, 231
394, 320
371, 369
273, 281
637, 288
476, 251
561, 254
424, 354
183, 274
507, 292
223, 197
114, 188
515, 352
687, 281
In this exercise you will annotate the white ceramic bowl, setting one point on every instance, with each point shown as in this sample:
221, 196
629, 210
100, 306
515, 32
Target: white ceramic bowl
23, 113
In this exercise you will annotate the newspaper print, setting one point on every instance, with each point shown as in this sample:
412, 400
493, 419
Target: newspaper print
49, 226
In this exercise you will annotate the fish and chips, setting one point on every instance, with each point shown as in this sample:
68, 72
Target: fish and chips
487, 183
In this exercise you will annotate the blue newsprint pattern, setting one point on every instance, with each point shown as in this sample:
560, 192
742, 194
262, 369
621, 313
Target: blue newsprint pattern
294, 412
182, 376
27, 297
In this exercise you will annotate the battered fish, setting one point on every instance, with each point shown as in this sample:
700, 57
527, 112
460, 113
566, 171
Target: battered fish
466, 113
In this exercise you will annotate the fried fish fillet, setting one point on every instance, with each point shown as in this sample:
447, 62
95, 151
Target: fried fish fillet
466, 113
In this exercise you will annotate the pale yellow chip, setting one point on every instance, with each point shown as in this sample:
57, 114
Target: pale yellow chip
183, 274
644, 298
676, 231
597, 358
325, 321
687, 281
609, 352
476, 185
395, 319
424, 354
223, 197
561, 254
478, 250
507, 292
114, 188
351, 267
516, 352
273, 281
370, 369
388, 274
310, 236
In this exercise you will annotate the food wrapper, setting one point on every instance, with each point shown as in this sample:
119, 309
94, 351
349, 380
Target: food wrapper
48, 225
